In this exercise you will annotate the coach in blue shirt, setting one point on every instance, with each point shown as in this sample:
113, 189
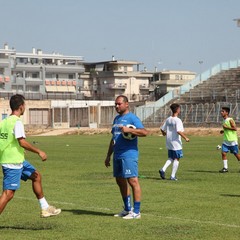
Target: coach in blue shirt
124, 146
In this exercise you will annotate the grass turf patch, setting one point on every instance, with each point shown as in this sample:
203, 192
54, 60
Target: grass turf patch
203, 204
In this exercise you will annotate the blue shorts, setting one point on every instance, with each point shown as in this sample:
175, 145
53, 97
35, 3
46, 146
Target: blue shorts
231, 149
125, 167
175, 154
12, 177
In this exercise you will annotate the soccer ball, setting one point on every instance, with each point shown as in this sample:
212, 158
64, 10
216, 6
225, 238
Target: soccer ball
218, 147
129, 136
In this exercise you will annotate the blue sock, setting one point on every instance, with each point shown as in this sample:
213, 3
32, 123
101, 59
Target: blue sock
136, 207
127, 203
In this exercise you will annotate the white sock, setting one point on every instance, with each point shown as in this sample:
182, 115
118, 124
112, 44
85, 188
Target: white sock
43, 203
167, 164
225, 164
174, 168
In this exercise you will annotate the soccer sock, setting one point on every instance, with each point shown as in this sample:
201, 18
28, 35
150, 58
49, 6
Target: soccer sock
225, 164
167, 164
136, 207
43, 203
127, 203
175, 168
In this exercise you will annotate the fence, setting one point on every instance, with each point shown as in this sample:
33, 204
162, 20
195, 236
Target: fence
193, 115
151, 109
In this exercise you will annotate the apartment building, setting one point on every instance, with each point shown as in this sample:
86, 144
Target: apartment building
166, 80
38, 75
41, 76
54, 76
108, 79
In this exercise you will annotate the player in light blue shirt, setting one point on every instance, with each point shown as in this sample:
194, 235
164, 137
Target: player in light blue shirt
125, 156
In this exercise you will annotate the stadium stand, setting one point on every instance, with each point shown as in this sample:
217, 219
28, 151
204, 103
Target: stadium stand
201, 99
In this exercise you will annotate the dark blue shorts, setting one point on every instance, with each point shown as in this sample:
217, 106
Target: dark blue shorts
175, 154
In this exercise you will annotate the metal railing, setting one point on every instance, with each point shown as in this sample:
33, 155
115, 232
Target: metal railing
146, 111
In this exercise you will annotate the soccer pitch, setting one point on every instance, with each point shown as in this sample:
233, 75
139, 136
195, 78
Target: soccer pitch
203, 204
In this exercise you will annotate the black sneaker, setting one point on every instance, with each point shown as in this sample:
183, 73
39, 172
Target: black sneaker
224, 170
162, 174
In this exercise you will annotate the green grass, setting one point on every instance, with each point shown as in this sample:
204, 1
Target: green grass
203, 204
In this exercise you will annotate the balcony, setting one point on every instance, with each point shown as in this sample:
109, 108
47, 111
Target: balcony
27, 67
4, 78
117, 86
4, 62
33, 81
49, 68
64, 68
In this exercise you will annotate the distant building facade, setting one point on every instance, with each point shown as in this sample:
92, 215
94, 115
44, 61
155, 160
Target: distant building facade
166, 80
40, 76
106, 80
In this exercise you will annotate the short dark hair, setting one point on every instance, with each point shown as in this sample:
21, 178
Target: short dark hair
174, 107
16, 101
125, 99
227, 109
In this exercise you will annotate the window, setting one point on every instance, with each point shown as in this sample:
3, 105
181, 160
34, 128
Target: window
156, 77
19, 74
70, 76
4, 115
2, 85
17, 87
35, 75
32, 88
33, 60
49, 75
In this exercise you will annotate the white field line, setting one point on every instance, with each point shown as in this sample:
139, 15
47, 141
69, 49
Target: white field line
152, 215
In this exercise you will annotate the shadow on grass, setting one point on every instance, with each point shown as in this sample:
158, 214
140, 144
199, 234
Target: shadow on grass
153, 178
203, 171
86, 212
26, 228
230, 195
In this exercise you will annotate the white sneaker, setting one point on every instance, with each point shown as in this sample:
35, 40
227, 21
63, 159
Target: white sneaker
133, 215
50, 211
123, 213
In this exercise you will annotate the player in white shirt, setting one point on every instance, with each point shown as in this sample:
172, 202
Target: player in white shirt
173, 130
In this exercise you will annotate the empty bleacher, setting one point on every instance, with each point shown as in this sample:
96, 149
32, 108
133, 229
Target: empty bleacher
200, 102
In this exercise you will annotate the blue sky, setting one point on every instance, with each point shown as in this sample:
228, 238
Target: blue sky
167, 34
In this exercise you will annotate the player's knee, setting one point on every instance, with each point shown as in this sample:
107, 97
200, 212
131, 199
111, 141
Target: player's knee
36, 176
9, 194
133, 181
120, 181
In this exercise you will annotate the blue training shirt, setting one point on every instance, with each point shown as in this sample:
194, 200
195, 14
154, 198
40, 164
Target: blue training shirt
123, 147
